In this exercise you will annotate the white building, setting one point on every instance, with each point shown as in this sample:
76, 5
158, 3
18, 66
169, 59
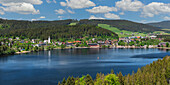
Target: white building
153, 37
49, 40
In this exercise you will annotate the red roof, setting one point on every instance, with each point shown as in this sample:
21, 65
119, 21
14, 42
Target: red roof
77, 41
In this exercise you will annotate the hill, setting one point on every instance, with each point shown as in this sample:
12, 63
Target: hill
56, 29
162, 25
71, 28
123, 25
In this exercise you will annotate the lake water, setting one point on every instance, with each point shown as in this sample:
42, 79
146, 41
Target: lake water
49, 67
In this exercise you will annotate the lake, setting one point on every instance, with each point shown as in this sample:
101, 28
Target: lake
49, 67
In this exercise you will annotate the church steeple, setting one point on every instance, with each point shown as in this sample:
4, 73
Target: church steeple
49, 40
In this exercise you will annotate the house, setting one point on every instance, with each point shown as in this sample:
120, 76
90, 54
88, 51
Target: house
93, 39
10, 39
101, 42
35, 40
69, 44
93, 45
107, 42
77, 42
115, 40
17, 38
45, 41
124, 39
138, 37
59, 43
153, 37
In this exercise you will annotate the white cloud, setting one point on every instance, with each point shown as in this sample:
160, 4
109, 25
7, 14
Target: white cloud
112, 16
33, 19
14, 2
155, 8
129, 5
63, 4
60, 11
101, 9
69, 11
60, 17
20, 6
166, 18
41, 17
49, 1
122, 13
78, 4
93, 17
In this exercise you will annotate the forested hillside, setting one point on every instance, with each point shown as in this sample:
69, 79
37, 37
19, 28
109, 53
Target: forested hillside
57, 32
162, 25
122, 25
157, 73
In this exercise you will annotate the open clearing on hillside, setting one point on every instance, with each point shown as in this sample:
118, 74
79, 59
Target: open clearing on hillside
121, 33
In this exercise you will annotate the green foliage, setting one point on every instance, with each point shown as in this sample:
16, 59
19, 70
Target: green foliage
63, 46
122, 43
167, 44
153, 74
132, 43
5, 50
63, 82
89, 80
80, 81
111, 79
70, 81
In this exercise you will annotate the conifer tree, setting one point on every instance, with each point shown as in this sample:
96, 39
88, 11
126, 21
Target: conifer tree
63, 82
89, 80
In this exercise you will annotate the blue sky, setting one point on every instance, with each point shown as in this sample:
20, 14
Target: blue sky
134, 10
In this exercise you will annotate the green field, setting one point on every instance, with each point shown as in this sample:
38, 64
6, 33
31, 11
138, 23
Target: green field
73, 23
121, 33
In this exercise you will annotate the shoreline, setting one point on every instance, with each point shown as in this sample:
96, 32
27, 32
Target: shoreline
120, 47
24, 52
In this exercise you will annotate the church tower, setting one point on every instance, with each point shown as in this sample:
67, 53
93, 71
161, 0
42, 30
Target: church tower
49, 40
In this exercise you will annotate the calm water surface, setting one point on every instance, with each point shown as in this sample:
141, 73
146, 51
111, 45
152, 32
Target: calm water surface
49, 67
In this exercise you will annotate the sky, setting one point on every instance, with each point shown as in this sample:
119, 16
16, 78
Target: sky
142, 11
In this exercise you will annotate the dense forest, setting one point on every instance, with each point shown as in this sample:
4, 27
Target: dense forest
122, 25
58, 32
55, 29
157, 73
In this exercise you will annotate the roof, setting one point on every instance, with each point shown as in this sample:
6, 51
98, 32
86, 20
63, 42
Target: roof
77, 41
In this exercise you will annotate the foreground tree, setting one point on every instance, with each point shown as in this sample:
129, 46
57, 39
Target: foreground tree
111, 79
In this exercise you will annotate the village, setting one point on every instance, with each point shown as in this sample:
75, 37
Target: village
27, 45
